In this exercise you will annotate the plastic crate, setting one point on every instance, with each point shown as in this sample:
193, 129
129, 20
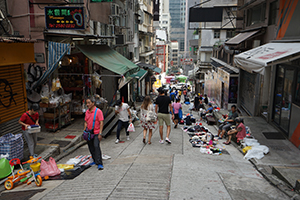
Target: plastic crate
34, 130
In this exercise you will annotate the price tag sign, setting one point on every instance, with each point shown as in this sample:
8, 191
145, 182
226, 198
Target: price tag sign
64, 18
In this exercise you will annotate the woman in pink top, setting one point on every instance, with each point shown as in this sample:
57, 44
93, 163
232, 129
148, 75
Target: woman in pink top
177, 107
240, 131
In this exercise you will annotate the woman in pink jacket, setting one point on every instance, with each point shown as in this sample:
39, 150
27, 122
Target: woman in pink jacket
240, 131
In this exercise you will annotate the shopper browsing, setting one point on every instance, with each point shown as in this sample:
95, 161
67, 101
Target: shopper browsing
31, 117
122, 110
94, 143
163, 104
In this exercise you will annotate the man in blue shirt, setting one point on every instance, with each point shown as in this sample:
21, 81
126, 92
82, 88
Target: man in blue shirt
210, 109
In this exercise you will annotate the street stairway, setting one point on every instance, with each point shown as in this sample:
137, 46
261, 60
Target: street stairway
167, 171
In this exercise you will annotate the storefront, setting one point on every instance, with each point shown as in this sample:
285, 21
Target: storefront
13, 99
221, 84
83, 71
280, 83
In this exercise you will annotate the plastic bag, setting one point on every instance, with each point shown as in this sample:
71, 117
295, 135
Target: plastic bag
49, 168
257, 152
251, 142
131, 128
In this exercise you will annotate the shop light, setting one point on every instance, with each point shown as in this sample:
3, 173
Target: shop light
77, 39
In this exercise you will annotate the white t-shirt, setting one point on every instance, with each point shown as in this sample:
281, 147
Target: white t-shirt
123, 113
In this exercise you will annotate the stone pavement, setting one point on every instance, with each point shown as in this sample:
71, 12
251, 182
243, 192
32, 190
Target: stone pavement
161, 171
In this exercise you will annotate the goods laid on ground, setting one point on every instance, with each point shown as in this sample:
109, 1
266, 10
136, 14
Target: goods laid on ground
253, 149
201, 137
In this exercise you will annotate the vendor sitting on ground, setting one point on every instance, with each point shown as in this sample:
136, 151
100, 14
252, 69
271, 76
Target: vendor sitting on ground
210, 109
240, 131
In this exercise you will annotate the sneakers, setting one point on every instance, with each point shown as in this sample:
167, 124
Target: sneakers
127, 137
117, 141
168, 141
220, 138
161, 141
100, 167
93, 163
105, 157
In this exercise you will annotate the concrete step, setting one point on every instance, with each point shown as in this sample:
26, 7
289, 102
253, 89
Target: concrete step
108, 118
110, 127
289, 175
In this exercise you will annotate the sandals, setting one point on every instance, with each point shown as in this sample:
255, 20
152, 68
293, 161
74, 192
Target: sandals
144, 140
149, 142
227, 143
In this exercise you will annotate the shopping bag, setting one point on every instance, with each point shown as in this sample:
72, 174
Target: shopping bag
12, 145
131, 128
49, 168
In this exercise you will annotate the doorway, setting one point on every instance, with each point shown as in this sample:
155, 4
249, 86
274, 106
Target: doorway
283, 96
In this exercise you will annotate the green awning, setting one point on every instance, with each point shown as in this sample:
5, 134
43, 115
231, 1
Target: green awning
152, 67
109, 59
140, 74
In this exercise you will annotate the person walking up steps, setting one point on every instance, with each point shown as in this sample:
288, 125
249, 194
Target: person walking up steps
122, 110
146, 108
162, 106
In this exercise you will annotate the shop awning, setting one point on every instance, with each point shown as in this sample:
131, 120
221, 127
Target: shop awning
241, 37
56, 51
147, 54
152, 67
255, 60
140, 74
224, 66
109, 59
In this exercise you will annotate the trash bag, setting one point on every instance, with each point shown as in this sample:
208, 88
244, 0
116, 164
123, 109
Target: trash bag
131, 128
49, 168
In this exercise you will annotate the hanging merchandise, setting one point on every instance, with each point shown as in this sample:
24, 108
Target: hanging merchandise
57, 84
96, 80
53, 85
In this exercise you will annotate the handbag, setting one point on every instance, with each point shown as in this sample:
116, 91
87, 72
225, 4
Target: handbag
151, 116
89, 134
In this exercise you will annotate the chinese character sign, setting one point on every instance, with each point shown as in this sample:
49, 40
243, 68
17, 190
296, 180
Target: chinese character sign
64, 18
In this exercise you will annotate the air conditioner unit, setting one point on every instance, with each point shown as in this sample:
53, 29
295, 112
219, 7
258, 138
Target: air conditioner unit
115, 9
120, 39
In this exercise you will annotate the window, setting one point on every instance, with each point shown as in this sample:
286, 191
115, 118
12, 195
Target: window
216, 33
181, 45
273, 13
256, 14
297, 90
230, 33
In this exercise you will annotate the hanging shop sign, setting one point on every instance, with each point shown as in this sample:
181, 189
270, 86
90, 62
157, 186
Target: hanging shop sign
64, 17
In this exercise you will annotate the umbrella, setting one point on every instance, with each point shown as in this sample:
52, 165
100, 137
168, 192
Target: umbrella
181, 78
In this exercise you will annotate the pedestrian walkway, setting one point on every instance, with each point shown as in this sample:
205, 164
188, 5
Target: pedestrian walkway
163, 171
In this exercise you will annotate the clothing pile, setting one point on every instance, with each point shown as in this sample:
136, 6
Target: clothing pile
253, 149
187, 120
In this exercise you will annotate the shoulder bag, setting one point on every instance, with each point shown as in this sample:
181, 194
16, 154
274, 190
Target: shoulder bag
89, 134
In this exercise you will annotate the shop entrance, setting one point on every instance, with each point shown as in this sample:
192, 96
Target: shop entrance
283, 96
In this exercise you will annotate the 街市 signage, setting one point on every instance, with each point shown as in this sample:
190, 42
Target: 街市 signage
64, 17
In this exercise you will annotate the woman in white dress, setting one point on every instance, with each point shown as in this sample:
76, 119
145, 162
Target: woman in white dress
146, 108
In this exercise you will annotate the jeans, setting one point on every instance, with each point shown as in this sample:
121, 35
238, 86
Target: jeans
225, 127
94, 147
31, 139
120, 125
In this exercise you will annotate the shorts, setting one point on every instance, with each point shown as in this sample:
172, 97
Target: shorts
162, 117
176, 116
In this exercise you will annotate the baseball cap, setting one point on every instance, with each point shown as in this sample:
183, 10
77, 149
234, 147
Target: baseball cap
209, 104
119, 102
